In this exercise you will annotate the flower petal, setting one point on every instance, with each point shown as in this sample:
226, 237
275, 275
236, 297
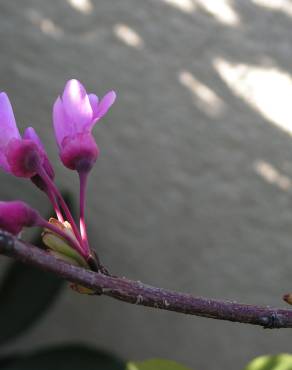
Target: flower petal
77, 104
3, 162
93, 99
106, 102
8, 127
63, 125
30, 134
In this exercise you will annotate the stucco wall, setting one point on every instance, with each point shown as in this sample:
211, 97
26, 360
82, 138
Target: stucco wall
193, 187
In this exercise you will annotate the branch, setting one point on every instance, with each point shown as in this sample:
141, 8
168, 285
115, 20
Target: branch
138, 293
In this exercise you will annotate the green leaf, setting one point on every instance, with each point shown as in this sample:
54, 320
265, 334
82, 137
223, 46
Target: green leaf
273, 362
155, 364
25, 294
69, 357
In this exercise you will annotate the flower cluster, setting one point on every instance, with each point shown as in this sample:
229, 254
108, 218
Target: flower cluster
74, 115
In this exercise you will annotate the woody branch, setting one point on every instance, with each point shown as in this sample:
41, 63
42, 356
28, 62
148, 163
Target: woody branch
141, 294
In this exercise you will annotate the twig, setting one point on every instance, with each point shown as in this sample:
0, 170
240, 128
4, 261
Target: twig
138, 293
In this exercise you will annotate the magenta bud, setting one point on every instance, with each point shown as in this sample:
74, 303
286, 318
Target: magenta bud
23, 157
79, 153
16, 215
19, 156
74, 115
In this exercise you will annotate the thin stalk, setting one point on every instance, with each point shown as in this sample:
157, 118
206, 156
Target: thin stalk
51, 185
83, 183
93, 259
55, 204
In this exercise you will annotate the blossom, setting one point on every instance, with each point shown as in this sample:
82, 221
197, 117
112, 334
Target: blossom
16, 215
19, 156
74, 115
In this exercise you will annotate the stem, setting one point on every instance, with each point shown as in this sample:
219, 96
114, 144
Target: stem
56, 230
138, 293
55, 204
93, 258
52, 187
83, 183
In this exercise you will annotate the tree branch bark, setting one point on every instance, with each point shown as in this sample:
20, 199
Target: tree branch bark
138, 293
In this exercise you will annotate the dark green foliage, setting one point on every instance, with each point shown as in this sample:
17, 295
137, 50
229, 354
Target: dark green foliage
69, 357
25, 294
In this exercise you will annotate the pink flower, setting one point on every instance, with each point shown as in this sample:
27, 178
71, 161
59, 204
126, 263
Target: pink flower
19, 156
16, 215
74, 115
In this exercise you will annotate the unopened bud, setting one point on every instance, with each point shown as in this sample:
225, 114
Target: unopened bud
288, 298
58, 244
23, 157
81, 289
16, 215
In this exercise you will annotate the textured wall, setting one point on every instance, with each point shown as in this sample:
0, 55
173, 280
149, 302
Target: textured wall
193, 187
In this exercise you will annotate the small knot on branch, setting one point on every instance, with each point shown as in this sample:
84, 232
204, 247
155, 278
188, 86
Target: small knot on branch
272, 321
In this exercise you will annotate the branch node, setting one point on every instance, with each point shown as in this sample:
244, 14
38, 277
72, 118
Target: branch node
272, 321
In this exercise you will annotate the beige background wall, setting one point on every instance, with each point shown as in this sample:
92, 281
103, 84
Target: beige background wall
193, 187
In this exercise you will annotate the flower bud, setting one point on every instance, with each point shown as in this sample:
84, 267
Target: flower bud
74, 115
23, 157
16, 215
79, 153
287, 298
57, 244
61, 249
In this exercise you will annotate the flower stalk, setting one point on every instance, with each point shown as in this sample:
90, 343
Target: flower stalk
83, 176
52, 187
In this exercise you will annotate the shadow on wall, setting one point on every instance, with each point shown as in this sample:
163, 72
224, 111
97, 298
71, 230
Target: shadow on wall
257, 79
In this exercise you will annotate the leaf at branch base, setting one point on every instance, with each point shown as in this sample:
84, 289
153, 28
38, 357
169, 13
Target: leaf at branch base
25, 294
155, 364
68, 357
274, 362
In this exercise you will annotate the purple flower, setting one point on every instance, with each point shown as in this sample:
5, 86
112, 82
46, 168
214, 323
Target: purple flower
19, 156
74, 115
16, 215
